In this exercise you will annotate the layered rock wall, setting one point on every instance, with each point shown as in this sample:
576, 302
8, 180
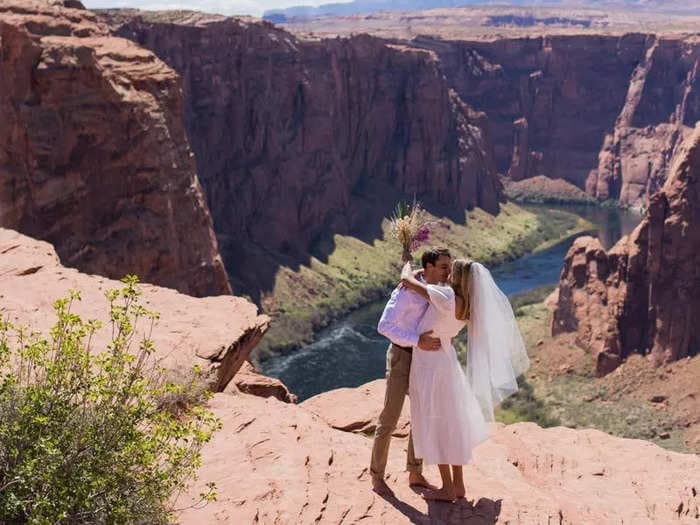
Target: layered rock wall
660, 110
93, 152
642, 295
295, 139
603, 112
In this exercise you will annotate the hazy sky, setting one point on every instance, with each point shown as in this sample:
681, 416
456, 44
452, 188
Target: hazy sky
227, 7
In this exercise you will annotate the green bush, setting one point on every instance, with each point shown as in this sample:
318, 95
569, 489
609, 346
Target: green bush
88, 437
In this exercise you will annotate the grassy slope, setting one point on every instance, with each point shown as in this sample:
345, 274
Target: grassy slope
357, 273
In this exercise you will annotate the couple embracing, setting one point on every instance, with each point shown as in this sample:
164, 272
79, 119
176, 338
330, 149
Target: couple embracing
451, 407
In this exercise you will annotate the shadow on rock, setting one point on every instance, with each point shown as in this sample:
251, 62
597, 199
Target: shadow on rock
484, 512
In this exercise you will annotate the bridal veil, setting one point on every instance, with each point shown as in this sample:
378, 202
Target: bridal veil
496, 351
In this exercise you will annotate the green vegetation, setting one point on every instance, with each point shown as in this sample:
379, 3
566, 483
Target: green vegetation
520, 302
524, 406
357, 273
90, 437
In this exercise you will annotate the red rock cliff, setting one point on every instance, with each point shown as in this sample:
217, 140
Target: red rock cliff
93, 152
295, 139
603, 112
643, 295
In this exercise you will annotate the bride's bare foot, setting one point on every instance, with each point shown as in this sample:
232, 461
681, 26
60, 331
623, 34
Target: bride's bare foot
442, 494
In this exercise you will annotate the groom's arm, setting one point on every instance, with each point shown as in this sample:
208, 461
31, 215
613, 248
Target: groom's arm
390, 326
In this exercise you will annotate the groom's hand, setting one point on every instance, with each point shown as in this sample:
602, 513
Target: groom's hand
427, 342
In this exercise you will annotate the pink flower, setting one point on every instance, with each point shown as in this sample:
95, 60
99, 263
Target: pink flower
421, 237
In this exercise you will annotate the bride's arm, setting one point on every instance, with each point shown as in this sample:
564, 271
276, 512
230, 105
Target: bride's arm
408, 279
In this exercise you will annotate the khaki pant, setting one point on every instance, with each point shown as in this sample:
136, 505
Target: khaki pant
398, 367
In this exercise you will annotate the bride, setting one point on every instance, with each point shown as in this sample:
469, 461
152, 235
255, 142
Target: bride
451, 407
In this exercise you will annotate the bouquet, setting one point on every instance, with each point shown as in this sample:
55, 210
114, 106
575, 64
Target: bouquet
410, 225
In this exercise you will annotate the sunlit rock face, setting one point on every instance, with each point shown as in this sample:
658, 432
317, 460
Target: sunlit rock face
601, 111
642, 295
93, 151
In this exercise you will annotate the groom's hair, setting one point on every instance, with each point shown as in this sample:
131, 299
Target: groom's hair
432, 255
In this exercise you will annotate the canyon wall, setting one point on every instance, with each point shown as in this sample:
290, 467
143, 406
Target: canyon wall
94, 156
603, 112
642, 295
299, 139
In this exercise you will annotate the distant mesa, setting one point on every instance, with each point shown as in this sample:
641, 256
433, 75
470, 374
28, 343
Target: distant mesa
360, 6
371, 6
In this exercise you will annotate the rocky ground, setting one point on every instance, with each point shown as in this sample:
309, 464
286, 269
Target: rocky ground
214, 333
281, 463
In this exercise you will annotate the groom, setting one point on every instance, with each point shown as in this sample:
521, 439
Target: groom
398, 324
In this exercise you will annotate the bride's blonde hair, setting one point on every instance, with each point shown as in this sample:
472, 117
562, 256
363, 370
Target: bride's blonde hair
459, 280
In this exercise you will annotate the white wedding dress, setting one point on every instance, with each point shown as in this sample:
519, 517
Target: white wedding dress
450, 406
446, 419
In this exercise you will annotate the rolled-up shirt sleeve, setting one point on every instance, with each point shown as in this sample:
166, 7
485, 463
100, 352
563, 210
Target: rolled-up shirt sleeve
390, 326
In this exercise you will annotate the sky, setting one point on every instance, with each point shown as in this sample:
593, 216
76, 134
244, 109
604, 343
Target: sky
226, 7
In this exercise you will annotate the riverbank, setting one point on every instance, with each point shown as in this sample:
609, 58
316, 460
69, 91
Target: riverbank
356, 273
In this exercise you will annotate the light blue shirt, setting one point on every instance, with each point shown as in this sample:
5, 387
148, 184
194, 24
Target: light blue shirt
402, 313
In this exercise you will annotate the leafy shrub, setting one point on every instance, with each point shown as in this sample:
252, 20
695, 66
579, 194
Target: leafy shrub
89, 437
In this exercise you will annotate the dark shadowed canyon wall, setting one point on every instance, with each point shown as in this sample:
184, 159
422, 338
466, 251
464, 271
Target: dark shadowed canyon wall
299, 139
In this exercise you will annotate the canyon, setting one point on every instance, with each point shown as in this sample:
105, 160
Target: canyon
112, 121
310, 139
296, 140
604, 112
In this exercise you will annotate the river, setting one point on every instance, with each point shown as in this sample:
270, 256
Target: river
350, 352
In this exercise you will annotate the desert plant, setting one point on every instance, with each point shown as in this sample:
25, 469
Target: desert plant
85, 435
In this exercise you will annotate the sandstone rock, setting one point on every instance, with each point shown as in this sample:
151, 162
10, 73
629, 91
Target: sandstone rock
660, 111
553, 96
642, 295
216, 333
93, 152
250, 381
278, 463
551, 300
356, 409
